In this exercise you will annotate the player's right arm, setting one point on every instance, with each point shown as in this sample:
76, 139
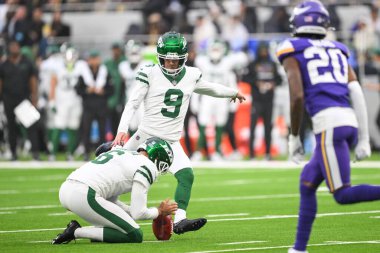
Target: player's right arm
142, 181
293, 73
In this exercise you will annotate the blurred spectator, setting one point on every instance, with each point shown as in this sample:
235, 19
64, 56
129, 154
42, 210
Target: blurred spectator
364, 39
95, 87
156, 27
18, 81
376, 22
35, 29
334, 18
235, 33
58, 28
204, 30
263, 77
17, 27
116, 101
249, 17
160, 7
279, 22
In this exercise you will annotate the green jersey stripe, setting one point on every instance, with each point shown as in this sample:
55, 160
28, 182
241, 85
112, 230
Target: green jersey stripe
142, 74
149, 173
121, 223
199, 78
145, 175
142, 80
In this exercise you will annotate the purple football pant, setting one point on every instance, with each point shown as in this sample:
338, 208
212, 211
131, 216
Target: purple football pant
330, 162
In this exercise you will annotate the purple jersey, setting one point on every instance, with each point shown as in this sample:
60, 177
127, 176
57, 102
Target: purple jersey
324, 69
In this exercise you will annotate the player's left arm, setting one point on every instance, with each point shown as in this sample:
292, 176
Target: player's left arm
363, 148
293, 73
217, 90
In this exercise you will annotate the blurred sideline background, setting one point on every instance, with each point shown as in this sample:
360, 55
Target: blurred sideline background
100, 28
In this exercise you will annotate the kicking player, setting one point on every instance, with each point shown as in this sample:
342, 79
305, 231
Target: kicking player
319, 76
92, 193
165, 89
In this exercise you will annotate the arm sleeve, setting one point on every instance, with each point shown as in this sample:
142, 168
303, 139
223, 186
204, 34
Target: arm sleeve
130, 108
139, 209
215, 90
360, 108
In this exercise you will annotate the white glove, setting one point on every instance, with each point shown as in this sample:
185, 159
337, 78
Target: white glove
296, 152
362, 150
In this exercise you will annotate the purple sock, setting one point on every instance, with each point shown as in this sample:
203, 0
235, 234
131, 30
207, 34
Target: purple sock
359, 193
306, 216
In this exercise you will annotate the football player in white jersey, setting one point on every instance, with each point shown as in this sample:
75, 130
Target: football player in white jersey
65, 101
46, 70
165, 89
92, 193
217, 66
128, 70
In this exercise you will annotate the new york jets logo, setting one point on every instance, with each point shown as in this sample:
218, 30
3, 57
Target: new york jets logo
160, 43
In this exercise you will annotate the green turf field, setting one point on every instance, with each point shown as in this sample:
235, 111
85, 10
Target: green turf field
249, 210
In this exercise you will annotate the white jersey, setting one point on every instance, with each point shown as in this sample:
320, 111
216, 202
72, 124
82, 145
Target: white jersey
46, 70
166, 100
114, 172
67, 80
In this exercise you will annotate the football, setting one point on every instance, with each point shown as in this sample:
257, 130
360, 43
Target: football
163, 227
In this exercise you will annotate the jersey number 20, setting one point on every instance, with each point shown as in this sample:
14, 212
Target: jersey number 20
173, 98
332, 59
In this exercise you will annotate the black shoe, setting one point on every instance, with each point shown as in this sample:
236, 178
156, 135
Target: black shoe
186, 225
68, 234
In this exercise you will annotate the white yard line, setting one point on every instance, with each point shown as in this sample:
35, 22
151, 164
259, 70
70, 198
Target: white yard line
266, 217
286, 246
28, 207
204, 164
227, 215
7, 212
61, 214
237, 198
236, 243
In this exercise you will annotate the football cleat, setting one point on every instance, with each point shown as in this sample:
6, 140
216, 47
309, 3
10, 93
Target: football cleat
68, 234
292, 250
186, 225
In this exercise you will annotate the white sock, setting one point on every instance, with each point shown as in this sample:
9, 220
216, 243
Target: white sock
180, 214
92, 233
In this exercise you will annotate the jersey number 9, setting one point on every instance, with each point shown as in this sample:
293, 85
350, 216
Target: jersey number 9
173, 97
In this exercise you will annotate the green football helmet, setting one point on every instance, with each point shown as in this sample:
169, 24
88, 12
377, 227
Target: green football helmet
159, 152
173, 46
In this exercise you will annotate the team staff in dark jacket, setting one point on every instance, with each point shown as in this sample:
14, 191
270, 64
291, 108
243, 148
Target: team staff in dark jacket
18, 81
263, 77
95, 87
